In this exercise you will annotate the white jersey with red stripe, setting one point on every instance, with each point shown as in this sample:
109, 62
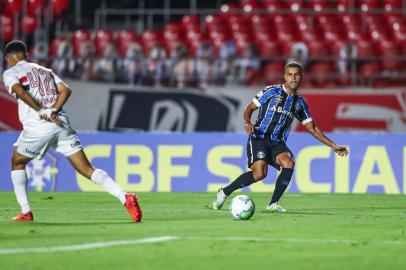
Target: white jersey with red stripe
39, 82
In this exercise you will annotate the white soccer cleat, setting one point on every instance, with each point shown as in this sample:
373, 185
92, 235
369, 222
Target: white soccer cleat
220, 199
275, 208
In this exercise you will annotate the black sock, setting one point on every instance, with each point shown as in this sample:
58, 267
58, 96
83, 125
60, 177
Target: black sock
243, 180
281, 184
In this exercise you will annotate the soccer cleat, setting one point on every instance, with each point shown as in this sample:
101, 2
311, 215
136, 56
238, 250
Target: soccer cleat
24, 217
133, 207
275, 208
220, 199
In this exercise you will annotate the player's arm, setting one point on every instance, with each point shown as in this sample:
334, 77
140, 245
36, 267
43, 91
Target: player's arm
319, 135
22, 94
63, 94
249, 109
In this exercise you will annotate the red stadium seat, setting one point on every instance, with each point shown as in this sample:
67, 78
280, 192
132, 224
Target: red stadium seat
54, 47
190, 20
322, 74
273, 72
125, 39
366, 48
14, 6
367, 5
295, 5
274, 5
320, 5
151, 36
79, 37
390, 51
59, 6
369, 69
103, 39
7, 27
269, 49
28, 23
317, 48
389, 5
34, 6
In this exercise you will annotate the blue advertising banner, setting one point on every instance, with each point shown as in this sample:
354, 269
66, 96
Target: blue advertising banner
168, 162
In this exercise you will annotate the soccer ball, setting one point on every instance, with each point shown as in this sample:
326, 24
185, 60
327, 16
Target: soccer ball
242, 207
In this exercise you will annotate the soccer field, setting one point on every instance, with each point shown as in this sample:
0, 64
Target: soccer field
92, 231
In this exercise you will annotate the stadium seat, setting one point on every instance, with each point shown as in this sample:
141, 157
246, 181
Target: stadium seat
102, 40
125, 39
369, 69
390, 5
59, 6
54, 47
367, 5
190, 20
7, 27
34, 6
13, 6
79, 37
151, 35
274, 5
322, 74
390, 50
317, 48
28, 23
295, 5
269, 49
320, 5
273, 72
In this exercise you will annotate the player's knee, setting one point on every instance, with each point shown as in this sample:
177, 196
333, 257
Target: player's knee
258, 175
288, 163
17, 162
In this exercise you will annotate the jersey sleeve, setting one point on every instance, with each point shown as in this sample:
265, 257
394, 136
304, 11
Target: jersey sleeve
57, 79
262, 97
10, 78
303, 113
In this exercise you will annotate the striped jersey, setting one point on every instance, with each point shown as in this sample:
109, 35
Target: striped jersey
276, 112
39, 82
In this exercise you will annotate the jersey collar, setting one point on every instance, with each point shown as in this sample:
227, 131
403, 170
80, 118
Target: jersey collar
21, 62
286, 91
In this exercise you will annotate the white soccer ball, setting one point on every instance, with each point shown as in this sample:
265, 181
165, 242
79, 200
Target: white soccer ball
242, 207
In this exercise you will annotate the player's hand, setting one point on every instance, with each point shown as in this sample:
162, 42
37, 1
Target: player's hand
341, 150
249, 127
49, 114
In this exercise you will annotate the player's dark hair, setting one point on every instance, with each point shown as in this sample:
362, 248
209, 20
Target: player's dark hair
294, 64
15, 46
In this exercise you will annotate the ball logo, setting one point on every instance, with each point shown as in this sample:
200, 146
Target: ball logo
260, 154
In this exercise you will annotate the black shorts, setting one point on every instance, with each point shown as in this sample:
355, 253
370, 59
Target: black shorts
263, 149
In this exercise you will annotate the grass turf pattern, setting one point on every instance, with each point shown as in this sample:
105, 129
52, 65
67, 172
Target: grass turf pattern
179, 231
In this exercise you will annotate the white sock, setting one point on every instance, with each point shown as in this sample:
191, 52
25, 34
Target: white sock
101, 178
19, 179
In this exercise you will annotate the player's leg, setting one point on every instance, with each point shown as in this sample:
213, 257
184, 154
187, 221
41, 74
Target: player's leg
19, 179
285, 161
82, 165
256, 153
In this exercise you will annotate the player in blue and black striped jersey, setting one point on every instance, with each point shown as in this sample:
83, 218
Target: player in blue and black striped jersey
278, 106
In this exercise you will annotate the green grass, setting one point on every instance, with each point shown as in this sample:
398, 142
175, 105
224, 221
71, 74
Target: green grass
321, 231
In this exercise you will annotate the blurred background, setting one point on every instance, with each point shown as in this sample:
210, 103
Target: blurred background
353, 53
189, 67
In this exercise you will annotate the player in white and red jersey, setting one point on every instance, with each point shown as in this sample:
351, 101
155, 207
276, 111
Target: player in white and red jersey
41, 95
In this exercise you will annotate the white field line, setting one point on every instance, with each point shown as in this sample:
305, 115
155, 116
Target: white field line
296, 240
86, 246
151, 240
